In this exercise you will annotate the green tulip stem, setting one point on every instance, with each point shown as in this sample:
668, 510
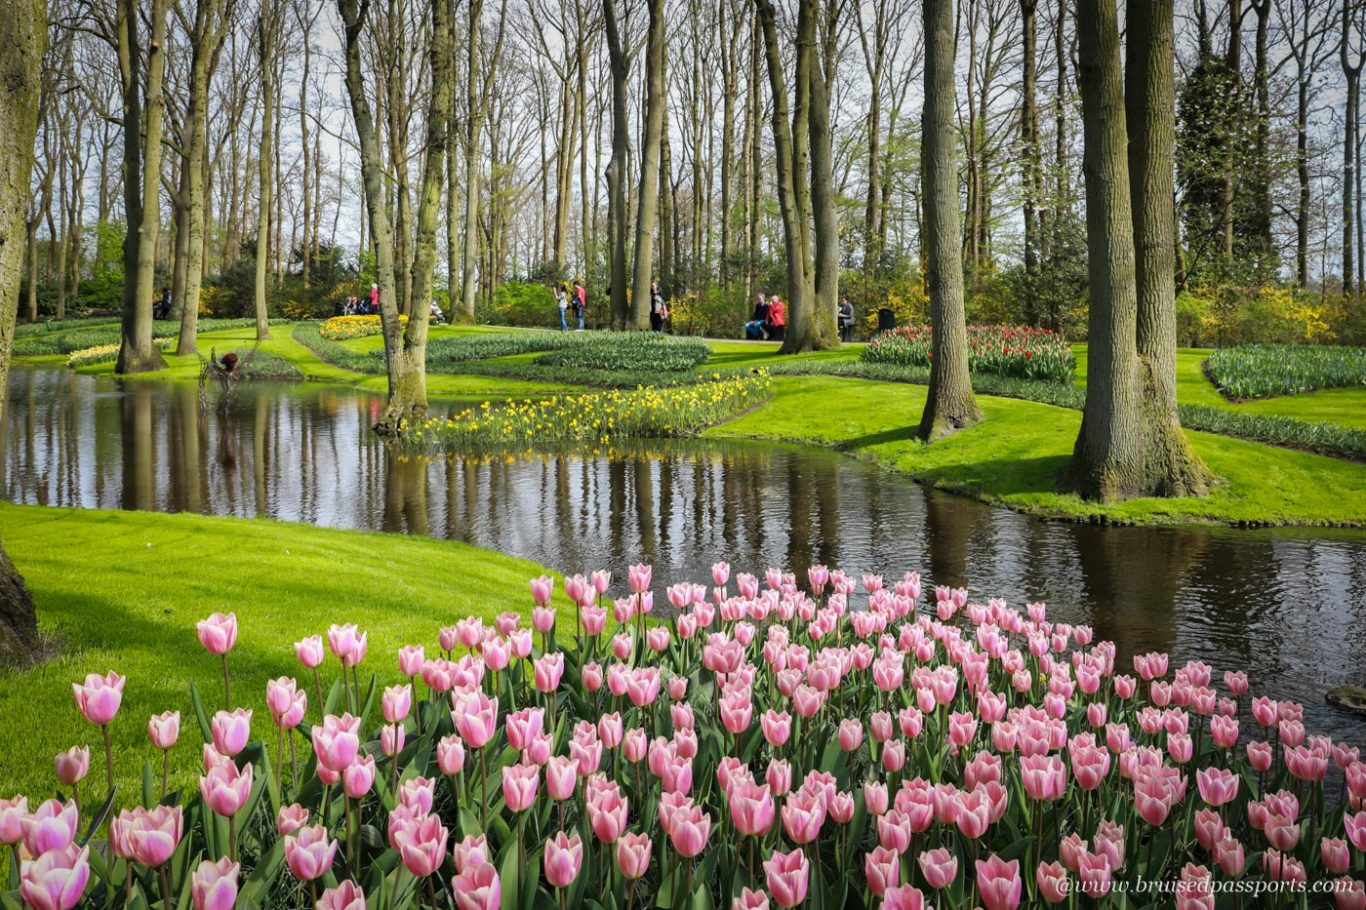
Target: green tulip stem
232, 837
165, 888
165, 770
431, 890
108, 758
227, 682
484, 776
318, 687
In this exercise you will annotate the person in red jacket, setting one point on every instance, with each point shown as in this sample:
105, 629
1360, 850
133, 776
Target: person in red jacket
777, 317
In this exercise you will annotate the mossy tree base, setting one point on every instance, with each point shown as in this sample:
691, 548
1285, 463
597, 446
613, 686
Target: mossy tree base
18, 622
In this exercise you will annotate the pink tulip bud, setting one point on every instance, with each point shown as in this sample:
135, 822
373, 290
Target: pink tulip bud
788, 877
290, 819
882, 869
51, 827
56, 880
309, 853
477, 888
999, 883
939, 866
421, 844
310, 651
1054, 884
148, 836
218, 633
12, 815
396, 702
450, 755
563, 857
231, 731
72, 765
214, 885
99, 697
346, 896
225, 788
690, 828
520, 783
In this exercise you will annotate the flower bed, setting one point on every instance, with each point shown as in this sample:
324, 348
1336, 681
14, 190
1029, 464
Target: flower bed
340, 328
104, 353
1268, 370
596, 417
1007, 350
629, 351
763, 745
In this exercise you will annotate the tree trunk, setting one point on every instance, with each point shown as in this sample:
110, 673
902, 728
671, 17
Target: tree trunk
1108, 461
1303, 200
1029, 137
477, 99
1172, 467
266, 48
950, 404
616, 167
647, 202
822, 331
666, 210
23, 34
1353, 76
141, 182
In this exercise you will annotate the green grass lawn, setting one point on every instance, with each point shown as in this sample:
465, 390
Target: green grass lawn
1014, 456
123, 590
1346, 407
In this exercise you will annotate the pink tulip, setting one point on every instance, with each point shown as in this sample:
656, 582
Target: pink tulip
779, 776
99, 697
231, 731
477, 888
218, 633
72, 765
638, 578
690, 829
359, 777
803, 815
150, 836
309, 853
213, 886
476, 718
310, 651
777, 727
1044, 777
12, 815
751, 808
999, 883
561, 777
1356, 829
1229, 854
1097, 878
747, 899
472, 851
347, 643
788, 876
1217, 785
164, 729
421, 844
882, 869
1053, 882
939, 866
904, 897
520, 783
225, 788
563, 857
548, 670
850, 734
290, 819
1349, 894
346, 896
56, 880
337, 741
633, 855
51, 827
1337, 857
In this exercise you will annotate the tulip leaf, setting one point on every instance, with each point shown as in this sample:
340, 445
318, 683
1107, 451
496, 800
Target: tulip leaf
12, 901
100, 815
148, 785
510, 876
259, 884
201, 714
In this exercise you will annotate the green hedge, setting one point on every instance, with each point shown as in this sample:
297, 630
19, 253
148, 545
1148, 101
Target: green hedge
629, 351
63, 340
309, 334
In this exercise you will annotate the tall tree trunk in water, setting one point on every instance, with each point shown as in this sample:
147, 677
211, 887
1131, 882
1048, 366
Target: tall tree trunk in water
616, 167
1171, 466
647, 201
267, 29
1108, 461
210, 25
1261, 177
790, 142
23, 34
950, 404
1029, 137
666, 210
408, 400
372, 180
141, 182
822, 331
475, 123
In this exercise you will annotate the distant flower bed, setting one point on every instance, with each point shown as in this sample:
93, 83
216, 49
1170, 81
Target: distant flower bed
340, 328
629, 351
1268, 370
597, 417
104, 353
1007, 350
465, 348
758, 743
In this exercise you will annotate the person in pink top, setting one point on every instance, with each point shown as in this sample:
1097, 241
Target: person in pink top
374, 298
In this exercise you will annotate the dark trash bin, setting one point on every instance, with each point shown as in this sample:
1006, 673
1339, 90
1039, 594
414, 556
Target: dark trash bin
886, 320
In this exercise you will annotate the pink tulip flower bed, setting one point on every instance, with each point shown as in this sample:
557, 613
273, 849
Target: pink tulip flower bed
762, 746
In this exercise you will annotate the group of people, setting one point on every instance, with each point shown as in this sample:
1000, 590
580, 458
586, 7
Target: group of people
362, 306
161, 304
768, 322
567, 296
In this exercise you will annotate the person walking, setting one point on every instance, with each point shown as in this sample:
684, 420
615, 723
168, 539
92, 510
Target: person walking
658, 310
562, 303
846, 314
580, 301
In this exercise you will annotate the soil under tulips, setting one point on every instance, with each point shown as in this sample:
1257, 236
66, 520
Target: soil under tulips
565, 744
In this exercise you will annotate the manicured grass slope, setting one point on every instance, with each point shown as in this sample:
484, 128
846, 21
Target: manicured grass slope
123, 590
1014, 457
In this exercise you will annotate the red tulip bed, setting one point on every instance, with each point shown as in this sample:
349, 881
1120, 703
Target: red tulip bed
762, 746
1006, 350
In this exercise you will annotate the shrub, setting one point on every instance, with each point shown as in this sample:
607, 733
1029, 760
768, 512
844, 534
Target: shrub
310, 336
446, 352
713, 312
629, 351
1265, 370
526, 304
1020, 351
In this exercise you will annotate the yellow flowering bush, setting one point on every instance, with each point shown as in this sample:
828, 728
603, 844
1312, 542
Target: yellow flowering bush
340, 328
596, 418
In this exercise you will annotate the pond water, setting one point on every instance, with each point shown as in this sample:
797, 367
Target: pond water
1287, 605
